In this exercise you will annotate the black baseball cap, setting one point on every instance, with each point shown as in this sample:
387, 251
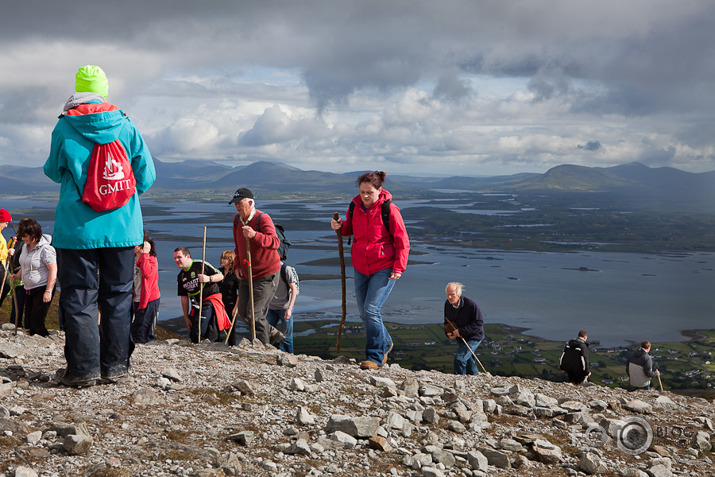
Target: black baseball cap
241, 193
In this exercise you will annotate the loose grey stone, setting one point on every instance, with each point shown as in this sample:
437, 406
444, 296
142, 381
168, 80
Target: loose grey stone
34, 437
547, 452
478, 461
346, 441
297, 384
410, 387
319, 375
381, 382
172, 374
299, 447
659, 470
360, 427
456, 426
22, 471
77, 444
6, 389
636, 405
287, 360
430, 416
496, 458
664, 402
701, 441
428, 390
431, 472
304, 417
243, 438
244, 387
591, 463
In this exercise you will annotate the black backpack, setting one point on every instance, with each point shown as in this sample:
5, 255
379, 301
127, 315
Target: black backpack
280, 232
384, 210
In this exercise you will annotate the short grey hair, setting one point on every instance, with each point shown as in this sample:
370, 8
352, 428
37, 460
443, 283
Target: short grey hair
459, 286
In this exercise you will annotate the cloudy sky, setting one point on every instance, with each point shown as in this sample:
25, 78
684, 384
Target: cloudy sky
407, 86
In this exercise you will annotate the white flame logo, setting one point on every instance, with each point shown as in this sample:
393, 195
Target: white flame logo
112, 169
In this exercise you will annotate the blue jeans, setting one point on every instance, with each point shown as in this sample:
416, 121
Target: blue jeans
463, 360
371, 292
209, 328
93, 350
276, 316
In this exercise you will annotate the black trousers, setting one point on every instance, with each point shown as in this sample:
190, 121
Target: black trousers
36, 311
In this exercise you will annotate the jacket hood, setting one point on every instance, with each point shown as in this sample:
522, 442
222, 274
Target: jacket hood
641, 352
577, 342
100, 127
44, 241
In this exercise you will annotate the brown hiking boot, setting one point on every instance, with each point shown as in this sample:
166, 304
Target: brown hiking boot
369, 365
384, 358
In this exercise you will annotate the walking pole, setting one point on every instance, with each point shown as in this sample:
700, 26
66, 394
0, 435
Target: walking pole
341, 252
465, 344
233, 321
9, 269
250, 289
201, 287
660, 383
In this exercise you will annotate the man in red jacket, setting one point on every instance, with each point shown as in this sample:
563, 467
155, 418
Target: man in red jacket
256, 227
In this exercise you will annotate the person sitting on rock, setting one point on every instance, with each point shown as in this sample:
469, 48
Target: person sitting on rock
575, 359
640, 367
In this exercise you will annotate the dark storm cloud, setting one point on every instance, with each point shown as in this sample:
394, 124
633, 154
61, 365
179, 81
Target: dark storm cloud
344, 46
566, 67
590, 146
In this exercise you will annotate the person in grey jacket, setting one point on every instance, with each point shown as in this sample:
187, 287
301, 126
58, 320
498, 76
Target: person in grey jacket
640, 367
38, 271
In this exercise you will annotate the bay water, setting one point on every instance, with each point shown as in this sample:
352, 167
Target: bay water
617, 297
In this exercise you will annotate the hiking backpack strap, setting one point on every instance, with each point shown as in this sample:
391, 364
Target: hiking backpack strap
384, 211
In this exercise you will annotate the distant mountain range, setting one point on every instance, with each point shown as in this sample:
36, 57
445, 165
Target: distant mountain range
628, 180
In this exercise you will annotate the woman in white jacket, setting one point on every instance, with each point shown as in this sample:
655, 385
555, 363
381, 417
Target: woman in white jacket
38, 270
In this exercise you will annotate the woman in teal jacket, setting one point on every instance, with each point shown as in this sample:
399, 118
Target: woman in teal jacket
95, 249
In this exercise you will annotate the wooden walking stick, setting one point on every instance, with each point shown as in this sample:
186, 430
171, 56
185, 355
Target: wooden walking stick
201, 287
660, 383
233, 321
250, 289
341, 252
465, 344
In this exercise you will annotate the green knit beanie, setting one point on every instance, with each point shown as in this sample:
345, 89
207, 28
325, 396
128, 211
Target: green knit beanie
91, 79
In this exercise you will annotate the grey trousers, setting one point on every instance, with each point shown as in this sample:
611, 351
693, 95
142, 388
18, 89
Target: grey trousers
264, 289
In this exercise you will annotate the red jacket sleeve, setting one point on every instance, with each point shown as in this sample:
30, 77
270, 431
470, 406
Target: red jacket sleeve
149, 268
400, 240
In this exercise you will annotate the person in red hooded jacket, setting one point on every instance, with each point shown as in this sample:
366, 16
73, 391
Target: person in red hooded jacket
379, 256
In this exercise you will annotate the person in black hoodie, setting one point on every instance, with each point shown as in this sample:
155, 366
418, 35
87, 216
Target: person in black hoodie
575, 359
640, 367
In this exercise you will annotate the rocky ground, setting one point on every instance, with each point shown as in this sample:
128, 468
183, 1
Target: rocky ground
208, 410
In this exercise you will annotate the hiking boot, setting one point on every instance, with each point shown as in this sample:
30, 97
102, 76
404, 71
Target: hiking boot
113, 378
276, 336
384, 358
369, 365
74, 381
